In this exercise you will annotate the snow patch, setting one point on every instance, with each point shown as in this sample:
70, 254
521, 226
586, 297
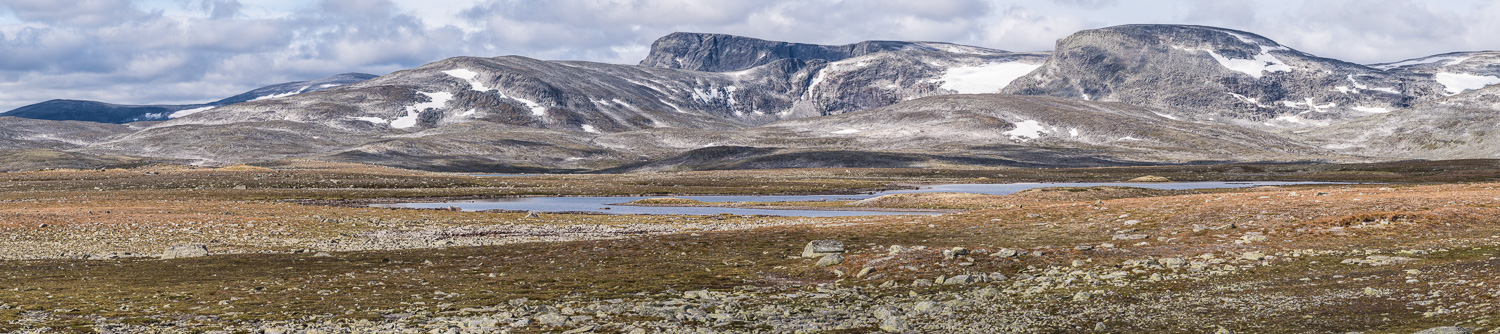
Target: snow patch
589, 128
1165, 116
845, 131
1452, 60
1294, 119
1359, 86
471, 112
1026, 130
186, 112
1255, 67
536, 109
438, 101
841, 66
272, 96
1249, 100
376, 120
1311, 106
1456, 83
1377, 110
987, 78
467, 75
1073, 132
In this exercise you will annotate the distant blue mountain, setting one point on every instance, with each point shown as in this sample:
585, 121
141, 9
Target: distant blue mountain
94, 111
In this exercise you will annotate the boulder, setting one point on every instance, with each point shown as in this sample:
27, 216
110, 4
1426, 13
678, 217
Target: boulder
819, 248
830, 260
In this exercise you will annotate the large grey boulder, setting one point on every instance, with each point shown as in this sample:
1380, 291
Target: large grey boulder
819, 248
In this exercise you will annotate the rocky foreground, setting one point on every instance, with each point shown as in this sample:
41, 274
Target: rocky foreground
1379, 258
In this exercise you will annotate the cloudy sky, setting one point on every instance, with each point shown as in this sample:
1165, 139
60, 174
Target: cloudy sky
192, 51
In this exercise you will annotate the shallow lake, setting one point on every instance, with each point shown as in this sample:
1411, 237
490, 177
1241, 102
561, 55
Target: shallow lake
596, 204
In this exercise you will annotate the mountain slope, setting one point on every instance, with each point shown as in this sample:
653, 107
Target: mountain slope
92, 111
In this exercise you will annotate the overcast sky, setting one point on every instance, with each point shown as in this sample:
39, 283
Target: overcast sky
193, 51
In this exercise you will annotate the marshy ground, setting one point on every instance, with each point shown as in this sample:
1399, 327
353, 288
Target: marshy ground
293, 248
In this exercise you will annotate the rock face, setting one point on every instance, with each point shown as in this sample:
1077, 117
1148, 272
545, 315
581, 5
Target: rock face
184, 251
1218, 75
820, 248
728, 53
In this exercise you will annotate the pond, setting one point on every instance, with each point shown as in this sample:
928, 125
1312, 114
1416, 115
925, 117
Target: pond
598, 204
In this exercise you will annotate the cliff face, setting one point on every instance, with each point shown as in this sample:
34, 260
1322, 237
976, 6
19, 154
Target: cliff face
728, 53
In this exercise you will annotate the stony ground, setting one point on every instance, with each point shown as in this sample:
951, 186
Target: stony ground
243, 250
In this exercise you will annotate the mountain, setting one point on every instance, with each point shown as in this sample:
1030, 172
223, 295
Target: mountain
92, 111
1127, 95
521, 96
1220, 75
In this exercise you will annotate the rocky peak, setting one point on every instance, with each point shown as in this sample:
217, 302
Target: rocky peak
729, 53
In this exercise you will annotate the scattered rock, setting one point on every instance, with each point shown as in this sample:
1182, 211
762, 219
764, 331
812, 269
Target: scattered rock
533, 214
818, 248
1378, 260
1446, 330
894, 324
1131, 236
955, 252
1253, 256
866, 271
1005, 252
1253, 237
1082, 296
552, 319
1173, 262
184, 251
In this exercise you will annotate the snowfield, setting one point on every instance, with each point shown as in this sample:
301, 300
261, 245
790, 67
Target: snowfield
1456, 83
987, 78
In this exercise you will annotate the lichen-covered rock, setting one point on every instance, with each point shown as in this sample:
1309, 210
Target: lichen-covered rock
819, 248
184, 251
